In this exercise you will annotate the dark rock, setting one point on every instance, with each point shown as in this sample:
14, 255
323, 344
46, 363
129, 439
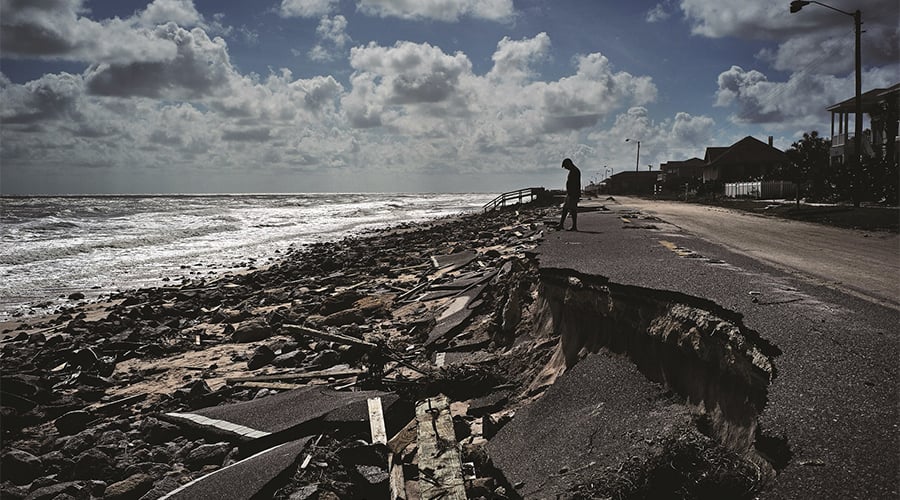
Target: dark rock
112, 439
76, 296
73, 422
12, 492
94, 464
488, 404
289, 360
55, 462
344, 300
158, 432
325, 359
130, 488
262, 356
161, 488
71, 488
345, 317
19, 466
37, 338
152, 469
193, 390
73, 445
251, 331
308, 492
207, 454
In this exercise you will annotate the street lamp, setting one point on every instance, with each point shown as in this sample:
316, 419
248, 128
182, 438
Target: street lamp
637, 162
796, 5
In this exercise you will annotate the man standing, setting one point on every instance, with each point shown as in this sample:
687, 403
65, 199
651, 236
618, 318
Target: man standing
573, 193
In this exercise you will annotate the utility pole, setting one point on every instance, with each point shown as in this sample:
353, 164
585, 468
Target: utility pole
855, 161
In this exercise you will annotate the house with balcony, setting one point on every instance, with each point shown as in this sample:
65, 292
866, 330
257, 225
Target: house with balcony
881, 142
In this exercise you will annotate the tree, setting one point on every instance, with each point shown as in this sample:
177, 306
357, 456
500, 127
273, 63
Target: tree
812, 171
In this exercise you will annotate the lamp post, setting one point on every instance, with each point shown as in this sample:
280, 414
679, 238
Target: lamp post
637, 161
796, 5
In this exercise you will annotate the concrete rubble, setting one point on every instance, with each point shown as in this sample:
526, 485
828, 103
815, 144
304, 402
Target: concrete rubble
484, 387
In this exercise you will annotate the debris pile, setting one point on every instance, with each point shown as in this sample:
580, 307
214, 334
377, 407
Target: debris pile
108, 399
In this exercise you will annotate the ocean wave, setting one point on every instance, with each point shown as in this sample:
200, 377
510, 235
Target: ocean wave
40, 253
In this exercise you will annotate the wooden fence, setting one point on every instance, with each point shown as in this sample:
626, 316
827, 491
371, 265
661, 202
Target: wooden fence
525, 195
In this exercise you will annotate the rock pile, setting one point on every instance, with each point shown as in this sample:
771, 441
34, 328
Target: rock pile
414, 311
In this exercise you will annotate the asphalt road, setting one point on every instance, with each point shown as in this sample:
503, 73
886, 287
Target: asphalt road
834, 401
865, 264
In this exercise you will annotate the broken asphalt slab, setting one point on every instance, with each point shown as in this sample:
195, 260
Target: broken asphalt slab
248, 478
284, 413
597, 417
457, 312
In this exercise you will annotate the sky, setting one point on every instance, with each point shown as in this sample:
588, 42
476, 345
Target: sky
271, 96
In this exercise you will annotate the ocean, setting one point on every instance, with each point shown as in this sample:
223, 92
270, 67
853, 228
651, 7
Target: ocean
55, 246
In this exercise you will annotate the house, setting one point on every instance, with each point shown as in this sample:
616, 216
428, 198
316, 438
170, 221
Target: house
632, 183
748, 159
882, 107
677, 173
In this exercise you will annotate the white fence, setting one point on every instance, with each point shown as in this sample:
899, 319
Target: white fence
760, 189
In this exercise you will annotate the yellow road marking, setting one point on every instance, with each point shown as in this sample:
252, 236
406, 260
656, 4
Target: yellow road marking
681, 252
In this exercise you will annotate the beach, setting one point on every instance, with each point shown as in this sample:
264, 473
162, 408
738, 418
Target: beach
87, 390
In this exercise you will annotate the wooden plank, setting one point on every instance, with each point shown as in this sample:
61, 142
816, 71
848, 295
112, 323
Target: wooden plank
296, 376
280, 386
397, 482
404, 436
440, 467
376, 421
333, 337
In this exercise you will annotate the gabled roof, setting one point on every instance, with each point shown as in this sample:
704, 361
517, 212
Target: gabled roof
747, 150
714, 153
870, 100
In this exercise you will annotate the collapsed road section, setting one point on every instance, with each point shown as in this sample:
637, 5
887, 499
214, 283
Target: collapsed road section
651, 392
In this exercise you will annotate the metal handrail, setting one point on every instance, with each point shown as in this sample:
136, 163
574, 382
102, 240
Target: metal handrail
519, 194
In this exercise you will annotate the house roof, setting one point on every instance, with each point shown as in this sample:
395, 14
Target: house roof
747, 150
870, 100
714, 153
693, 162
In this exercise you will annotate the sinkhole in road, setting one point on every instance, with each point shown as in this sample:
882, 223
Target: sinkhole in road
698, 350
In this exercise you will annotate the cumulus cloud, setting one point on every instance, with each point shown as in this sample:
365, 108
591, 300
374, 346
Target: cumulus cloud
815, 38
200, 66
55, 29
657, 14
409, 107
593, 92
181, 12
50, 97
513, 58
60, 29
332, 38
691, 130
798, 101
307, 8
439, 10
411, 73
